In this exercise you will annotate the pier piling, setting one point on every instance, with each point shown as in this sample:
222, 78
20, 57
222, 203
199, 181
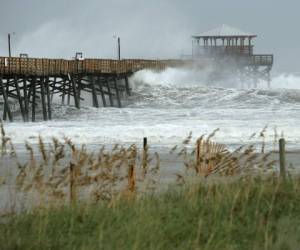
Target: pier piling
20, 99
117, 93
48, 99
94, 93
100, 84
109, 93
26, 102
6, 103
42, 87
33, 88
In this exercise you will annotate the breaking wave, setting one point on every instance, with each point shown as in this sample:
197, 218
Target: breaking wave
166, 106
188, 89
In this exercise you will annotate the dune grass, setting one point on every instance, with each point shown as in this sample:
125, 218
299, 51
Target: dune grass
240, 213
112, 199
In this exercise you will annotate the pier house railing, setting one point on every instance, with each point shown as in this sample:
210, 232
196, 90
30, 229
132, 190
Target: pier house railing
262, 60
220, 50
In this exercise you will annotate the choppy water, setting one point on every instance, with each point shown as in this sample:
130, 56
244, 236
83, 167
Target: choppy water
166, 106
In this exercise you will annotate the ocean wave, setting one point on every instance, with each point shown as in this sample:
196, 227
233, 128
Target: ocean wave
187, 89
166, 113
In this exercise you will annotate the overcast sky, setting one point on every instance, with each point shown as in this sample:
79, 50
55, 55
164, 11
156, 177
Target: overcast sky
148, 28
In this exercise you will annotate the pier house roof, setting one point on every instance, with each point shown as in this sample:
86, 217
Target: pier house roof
224, 31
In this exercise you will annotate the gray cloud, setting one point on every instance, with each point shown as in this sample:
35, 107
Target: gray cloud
148, 29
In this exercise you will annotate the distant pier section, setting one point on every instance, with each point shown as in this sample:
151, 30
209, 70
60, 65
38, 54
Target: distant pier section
231, 52
31, 83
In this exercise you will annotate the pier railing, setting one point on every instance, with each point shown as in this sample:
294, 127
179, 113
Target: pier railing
57, 67
262, 60
223, 50
43, 66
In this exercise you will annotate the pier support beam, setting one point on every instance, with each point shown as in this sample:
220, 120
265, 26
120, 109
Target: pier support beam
102, 92
127, 87
117, 93
19, 98
69, 91
48, 98
42, 86
33, 91
6, 104
5, 112
94, 93
39, 91
26, 99
63, 92
75, 92
53, 88
109, 93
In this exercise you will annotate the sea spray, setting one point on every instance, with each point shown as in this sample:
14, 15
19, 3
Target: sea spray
286, 81
193, 76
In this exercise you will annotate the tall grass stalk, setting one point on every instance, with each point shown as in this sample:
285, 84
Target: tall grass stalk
239, 213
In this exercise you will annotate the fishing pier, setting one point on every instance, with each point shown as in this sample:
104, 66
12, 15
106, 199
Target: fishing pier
231, 52
29, 81
33, 83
